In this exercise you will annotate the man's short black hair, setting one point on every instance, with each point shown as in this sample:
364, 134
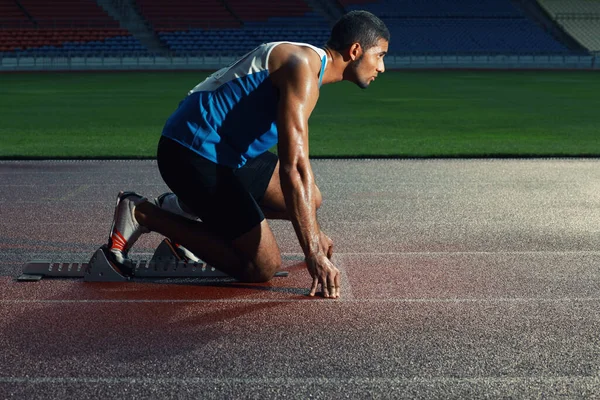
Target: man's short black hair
357, 27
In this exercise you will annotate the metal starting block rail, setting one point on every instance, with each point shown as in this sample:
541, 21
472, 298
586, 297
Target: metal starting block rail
165, 263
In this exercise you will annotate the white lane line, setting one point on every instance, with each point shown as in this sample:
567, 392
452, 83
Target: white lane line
532, 252
69, 195
60, 185
346, 289
315, 299
569, 380
295, 256
67, 254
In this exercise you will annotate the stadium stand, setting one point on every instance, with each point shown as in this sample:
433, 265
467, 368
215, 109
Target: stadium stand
460, 26
439, 8
181, 15
571, 6
346, 3
580, 18
68, 42
12, 16
262, 10
585, 30
234, 27
66, 28
68, 13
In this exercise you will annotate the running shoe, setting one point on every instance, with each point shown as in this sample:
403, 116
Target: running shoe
125, 230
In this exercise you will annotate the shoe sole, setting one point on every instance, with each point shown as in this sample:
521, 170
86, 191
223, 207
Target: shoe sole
120, 197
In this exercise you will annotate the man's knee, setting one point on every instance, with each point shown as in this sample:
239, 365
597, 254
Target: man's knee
263, 271
261, 253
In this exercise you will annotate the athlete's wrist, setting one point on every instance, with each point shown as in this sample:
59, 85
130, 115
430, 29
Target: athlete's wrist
315, 255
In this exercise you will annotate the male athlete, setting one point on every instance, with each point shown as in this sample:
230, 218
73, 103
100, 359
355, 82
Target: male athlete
213, 155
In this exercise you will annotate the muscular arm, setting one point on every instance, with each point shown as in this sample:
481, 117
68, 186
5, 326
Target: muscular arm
298, 96
298, 89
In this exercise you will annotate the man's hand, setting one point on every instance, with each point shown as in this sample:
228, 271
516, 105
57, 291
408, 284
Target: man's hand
325, 273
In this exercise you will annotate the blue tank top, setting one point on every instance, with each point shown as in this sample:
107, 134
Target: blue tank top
230, 116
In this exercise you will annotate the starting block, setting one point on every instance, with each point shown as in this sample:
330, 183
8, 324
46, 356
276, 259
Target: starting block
165, 263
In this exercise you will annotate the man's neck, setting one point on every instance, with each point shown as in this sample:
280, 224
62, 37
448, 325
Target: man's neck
334, 71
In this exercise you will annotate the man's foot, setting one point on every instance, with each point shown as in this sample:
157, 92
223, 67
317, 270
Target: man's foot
125, 230
169, 202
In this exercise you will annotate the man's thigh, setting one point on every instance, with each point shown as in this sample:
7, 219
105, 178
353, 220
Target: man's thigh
212, 192
274, 200
224, 199
256, 175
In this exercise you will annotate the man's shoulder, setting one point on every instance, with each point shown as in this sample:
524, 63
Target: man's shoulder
294, 56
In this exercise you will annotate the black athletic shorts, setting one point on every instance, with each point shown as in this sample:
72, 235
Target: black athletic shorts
226, 199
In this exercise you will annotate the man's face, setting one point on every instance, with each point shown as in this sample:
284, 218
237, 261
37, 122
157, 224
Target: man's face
369, 64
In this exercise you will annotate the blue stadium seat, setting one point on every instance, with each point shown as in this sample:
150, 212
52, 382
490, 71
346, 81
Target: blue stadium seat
461, 26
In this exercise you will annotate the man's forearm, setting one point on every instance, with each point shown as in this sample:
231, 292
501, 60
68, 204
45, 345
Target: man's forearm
297, 184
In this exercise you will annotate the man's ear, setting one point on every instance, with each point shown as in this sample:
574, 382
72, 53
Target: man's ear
355, 51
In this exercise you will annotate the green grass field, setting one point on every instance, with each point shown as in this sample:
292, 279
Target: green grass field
403, 113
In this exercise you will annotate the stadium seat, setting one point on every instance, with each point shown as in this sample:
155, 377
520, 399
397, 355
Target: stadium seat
459, 27
67, 28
